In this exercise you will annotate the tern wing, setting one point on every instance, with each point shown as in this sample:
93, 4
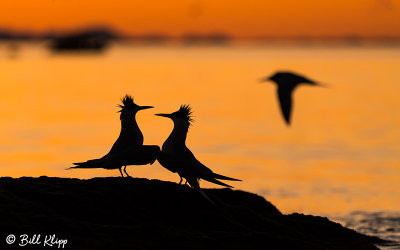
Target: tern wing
285, 101
169, 161
138, 155
203, 172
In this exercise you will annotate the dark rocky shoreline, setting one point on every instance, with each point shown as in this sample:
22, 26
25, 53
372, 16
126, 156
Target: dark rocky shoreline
132, 213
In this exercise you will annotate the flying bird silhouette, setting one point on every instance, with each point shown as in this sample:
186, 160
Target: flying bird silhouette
128, 149
177, 158
286, 83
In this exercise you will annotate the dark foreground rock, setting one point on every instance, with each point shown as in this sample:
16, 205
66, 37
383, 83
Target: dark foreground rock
130, 213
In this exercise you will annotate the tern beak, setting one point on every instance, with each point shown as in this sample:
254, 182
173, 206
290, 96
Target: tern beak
145, 107
164, 115
265, 79
322, 85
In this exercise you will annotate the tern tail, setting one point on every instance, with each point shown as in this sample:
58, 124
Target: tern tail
198, 189
213, 180
223, 177
95, 163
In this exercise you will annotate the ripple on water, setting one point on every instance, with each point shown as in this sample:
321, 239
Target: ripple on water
385, 225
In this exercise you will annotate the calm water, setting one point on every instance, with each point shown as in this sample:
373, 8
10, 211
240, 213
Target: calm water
341, 154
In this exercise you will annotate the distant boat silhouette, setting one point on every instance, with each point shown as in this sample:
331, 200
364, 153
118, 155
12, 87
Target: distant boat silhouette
286, 83
128, 148
176, 157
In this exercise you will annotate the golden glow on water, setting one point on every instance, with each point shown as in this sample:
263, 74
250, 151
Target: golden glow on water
342, 152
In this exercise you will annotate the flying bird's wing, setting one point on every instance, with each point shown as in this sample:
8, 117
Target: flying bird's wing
285, 101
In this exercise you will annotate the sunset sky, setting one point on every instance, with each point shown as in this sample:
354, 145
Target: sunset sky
239, 18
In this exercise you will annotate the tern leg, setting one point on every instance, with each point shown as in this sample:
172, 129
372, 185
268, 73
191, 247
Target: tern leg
126, 172
121, 172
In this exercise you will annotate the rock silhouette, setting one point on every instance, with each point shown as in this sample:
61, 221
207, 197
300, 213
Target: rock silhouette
132, 213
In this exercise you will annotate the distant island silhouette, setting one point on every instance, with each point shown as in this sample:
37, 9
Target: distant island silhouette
98, 38
91, 39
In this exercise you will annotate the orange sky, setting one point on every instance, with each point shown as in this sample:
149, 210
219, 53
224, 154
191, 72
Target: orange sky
241, 18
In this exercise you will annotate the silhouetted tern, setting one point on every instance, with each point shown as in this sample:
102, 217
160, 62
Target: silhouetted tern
176, 157
286, 82
128, 149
